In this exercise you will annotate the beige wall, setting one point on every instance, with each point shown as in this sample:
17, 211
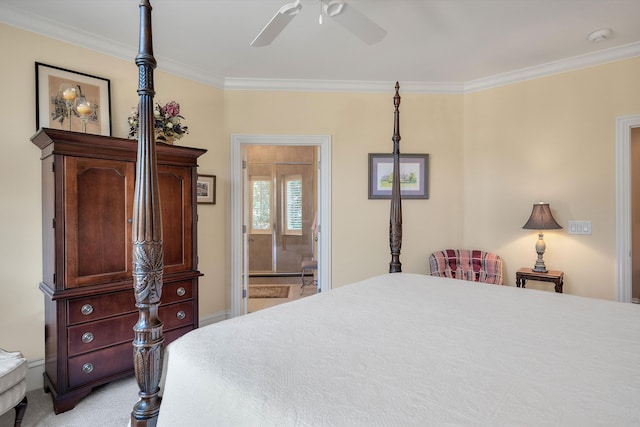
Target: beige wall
492, 155
360, 124
553, 140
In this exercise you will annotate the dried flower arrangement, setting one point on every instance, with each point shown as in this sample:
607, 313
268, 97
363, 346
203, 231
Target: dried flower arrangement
167, 122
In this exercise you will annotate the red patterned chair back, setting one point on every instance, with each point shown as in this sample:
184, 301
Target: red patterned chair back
464, 264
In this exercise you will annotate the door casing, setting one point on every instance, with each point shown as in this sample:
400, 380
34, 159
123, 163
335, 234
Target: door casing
624, 125
324, 211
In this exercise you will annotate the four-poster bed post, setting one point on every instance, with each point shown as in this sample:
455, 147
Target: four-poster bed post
148, 254
395, 216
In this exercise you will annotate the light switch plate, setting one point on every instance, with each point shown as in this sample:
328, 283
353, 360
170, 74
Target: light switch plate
579, 227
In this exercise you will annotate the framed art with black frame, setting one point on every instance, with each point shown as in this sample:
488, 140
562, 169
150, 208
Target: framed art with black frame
59, 93
414, 176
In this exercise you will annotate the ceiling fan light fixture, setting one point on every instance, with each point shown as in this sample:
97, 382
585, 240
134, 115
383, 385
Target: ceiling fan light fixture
291, 9
332, 7
348, 17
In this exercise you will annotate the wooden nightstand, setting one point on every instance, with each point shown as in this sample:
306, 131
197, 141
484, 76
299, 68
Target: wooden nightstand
524, 274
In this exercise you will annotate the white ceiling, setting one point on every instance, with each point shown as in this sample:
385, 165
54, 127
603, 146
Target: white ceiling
447, 44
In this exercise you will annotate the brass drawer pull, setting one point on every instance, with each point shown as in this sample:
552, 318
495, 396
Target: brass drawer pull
181, 291
87, 309
87, 337
87, 368
181, 315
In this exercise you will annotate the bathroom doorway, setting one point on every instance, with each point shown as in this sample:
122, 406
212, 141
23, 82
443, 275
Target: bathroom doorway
280, 210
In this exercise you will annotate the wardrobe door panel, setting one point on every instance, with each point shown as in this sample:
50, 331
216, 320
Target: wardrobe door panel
176, 205
98, 201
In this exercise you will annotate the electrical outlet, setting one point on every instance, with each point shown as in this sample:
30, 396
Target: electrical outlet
579, 227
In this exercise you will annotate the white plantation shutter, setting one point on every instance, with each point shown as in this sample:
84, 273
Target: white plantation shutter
260, 205
293, 198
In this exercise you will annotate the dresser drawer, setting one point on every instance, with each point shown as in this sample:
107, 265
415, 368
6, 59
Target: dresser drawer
96, 307
86, 309
101, 333
177, 291
176, 315
86, 365
100, 364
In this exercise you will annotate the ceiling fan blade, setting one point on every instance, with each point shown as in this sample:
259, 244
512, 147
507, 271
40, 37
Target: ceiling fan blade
358, 24
280, 20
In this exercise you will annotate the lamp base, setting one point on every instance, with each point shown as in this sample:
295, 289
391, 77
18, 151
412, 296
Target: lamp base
539, 269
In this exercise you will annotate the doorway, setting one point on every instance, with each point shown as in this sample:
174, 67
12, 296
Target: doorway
626, 129
271, 226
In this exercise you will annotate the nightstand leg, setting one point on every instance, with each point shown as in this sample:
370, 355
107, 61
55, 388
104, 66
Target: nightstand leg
559, 286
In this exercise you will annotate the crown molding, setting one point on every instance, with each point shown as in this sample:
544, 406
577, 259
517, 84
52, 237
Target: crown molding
55, 30
190, 73
67, 34
296, 85
568, 64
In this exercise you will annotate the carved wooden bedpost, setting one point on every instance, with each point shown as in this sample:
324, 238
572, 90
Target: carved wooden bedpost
395, 217
148, 254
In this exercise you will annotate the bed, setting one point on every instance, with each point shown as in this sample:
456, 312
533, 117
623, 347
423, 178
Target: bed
406, 349
396, 349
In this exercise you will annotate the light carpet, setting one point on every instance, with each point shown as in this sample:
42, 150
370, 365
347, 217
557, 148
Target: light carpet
106, 406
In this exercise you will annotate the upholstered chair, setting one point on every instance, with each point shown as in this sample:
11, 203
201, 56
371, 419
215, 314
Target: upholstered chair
464, 264
13, 384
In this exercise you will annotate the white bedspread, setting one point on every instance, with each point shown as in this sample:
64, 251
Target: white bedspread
412, 350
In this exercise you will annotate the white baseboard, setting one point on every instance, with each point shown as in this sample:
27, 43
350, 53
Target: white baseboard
36, 367
34, 374
214, 318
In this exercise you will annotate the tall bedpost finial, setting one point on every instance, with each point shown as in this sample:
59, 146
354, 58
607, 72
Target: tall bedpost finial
395, 217
148, 253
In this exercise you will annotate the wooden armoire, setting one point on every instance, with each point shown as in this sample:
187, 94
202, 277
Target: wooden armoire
87, 203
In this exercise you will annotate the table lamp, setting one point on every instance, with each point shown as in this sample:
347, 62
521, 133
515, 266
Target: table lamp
541, 219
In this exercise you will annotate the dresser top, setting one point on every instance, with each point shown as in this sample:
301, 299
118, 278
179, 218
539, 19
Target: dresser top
54, 141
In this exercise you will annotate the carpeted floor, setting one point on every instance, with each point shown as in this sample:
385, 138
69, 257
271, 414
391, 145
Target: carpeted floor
106, 406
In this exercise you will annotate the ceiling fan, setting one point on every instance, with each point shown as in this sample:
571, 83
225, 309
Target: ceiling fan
338, 10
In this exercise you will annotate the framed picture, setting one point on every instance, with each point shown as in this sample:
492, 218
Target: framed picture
414, 172
206, 188
59, 103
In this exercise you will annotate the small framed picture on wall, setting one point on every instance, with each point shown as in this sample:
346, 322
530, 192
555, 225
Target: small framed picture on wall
206, 188
414, 176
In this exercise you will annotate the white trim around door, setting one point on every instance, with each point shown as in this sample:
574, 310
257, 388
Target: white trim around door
624, 125
324, 213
